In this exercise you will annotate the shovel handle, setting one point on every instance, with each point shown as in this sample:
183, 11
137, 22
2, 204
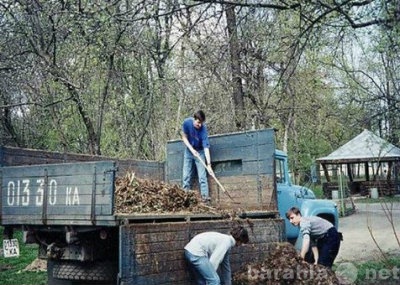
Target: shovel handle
215, 178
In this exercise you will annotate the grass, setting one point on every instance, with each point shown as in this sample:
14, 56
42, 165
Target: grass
12, 268
371, 272
379, 271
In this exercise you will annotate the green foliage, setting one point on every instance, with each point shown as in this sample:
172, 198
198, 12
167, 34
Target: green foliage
318, 191
12, 268
118, 79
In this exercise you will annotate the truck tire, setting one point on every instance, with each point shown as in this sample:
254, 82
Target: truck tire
93, 272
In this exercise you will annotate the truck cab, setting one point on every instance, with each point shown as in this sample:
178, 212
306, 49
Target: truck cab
290, 195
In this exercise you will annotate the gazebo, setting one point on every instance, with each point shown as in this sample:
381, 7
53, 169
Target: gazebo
366, 162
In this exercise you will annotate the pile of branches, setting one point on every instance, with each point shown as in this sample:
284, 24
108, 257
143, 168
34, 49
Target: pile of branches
135, 195
284, 266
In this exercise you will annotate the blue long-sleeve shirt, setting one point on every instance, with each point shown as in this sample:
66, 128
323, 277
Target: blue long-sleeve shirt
198, 138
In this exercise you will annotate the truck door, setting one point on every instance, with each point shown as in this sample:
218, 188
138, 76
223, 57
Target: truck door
288, 196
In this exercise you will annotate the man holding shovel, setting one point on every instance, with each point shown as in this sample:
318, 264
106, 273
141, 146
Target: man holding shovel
197, 152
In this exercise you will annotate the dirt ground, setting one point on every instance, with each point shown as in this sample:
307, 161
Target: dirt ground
358, 243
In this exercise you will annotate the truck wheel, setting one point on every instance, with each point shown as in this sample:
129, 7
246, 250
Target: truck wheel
94, 272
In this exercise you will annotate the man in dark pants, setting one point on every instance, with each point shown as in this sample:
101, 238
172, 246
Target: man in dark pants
319, 233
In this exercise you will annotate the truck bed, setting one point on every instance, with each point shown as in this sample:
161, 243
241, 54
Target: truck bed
75, 194
82, 192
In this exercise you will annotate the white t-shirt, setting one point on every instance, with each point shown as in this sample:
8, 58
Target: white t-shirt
213, 245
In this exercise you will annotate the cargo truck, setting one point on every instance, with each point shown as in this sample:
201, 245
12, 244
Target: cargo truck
65, 203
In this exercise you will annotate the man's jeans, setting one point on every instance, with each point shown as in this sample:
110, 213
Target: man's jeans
204, 271
328, 247
189, 161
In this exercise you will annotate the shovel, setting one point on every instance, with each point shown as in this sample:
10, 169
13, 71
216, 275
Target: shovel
215, 178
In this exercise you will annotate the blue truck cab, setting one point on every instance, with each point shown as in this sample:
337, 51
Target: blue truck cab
290, 195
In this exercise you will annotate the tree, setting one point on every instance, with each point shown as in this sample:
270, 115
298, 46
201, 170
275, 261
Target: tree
118, 77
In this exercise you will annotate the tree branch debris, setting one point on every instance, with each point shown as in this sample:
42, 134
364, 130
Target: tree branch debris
136, 195
284, 266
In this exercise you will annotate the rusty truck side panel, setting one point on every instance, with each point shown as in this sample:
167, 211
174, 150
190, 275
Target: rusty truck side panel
155, 252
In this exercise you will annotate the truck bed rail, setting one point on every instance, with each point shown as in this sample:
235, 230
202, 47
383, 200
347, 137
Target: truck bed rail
58, 194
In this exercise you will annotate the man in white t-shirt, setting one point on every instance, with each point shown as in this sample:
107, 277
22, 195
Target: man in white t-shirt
208, 251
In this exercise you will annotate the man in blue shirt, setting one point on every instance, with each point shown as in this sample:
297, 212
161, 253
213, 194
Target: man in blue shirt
195, 138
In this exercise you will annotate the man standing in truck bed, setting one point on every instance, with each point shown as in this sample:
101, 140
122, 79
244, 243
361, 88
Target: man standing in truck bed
195, 138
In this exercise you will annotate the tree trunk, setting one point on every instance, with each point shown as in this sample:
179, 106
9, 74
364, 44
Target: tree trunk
237, 87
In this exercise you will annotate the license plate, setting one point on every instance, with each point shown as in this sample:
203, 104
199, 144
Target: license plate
10, 247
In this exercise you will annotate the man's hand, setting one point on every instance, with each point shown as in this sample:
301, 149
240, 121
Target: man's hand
196, 154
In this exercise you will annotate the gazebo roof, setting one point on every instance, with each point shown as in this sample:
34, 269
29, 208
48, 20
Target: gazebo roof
365, 147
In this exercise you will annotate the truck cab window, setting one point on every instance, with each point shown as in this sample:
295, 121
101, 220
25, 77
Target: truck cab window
280, 170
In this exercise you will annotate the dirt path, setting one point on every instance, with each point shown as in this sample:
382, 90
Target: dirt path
358, 244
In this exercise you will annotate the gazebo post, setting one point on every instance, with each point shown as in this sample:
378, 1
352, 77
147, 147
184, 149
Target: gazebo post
326, 173
349, 172
389, 171
366, 171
